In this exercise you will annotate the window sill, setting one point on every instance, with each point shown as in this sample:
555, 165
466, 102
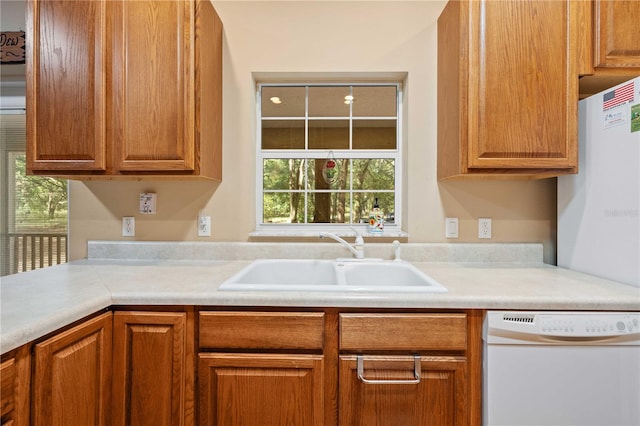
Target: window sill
270, 235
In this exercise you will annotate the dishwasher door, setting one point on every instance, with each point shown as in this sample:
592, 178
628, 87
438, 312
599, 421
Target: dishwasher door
561, 368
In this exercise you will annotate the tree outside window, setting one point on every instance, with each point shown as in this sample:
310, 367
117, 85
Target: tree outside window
327, 152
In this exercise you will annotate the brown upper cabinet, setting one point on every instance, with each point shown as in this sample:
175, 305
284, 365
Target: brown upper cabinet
124, 89
616, 36
613, 46
508, 88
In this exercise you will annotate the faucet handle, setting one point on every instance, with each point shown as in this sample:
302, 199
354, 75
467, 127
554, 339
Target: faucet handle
396, 249
359, 239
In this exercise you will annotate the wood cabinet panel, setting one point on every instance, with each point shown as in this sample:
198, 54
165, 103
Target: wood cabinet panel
15, 379
522, 98
262, 330
615, 35
507, 89
404, 332
124, 89
72, 375
8, 374
153, 375
65, 85
438, 399
153, 85
261, 389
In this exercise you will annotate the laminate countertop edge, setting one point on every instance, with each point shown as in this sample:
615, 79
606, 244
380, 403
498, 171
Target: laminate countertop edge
38, 302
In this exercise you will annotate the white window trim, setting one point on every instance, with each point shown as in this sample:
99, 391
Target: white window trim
312, 230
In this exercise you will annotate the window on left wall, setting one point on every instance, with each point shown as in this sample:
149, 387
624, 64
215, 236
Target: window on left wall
34, 213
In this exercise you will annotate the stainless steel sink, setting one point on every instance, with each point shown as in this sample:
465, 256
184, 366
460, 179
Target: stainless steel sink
331, 275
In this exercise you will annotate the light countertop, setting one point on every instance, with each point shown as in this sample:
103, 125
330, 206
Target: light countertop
38, 302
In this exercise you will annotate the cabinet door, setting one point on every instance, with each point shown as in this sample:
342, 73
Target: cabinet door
152, 368
440, 397
72, 376
616, 34
257, 389
153, 85
15, 375
522, 92
65, 85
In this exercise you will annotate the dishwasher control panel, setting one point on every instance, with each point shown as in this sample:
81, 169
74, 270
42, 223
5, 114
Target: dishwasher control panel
504, 326
606, 324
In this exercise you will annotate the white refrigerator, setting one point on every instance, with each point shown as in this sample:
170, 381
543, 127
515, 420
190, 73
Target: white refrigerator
599, 208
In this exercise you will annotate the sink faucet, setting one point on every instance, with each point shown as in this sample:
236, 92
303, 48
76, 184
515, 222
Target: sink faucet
357, 248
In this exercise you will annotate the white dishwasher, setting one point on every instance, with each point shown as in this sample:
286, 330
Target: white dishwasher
561, 368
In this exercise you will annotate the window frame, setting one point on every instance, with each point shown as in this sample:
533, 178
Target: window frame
312, 229
9, 151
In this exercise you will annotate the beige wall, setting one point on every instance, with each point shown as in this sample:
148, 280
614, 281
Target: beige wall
321, 37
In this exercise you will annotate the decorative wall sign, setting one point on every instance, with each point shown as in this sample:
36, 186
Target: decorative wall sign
12, 47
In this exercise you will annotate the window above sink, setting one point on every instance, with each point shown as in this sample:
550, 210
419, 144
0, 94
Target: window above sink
325, 154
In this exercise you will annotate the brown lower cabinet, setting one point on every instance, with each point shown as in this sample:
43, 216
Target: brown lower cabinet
261, 389
350, 369
14, 392
72, 376
153, 371
121, 368
326, 367
403, 390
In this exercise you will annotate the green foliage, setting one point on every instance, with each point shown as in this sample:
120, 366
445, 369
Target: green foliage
39, 200
287, 175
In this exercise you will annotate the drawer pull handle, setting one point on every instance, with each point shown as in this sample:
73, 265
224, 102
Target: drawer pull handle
416, 374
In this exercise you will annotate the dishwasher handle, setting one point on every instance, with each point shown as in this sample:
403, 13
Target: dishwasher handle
416, 374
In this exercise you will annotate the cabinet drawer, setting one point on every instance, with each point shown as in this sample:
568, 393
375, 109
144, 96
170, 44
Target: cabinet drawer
405, 332
8, 375
262, 330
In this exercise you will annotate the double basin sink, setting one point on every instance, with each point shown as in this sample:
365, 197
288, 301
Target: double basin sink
341, 275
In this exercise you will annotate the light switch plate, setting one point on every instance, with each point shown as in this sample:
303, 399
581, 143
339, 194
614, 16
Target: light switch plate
451, 227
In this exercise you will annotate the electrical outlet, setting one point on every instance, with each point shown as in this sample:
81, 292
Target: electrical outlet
147, 203
128, 226
204, 226
484, 227
451, 227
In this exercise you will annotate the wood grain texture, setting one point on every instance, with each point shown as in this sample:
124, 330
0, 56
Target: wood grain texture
208, 91
261, 330
452, 89
616, 42
439, 399
474, 369
585, 37
15, 377
65, 85
153, 377
331, 359
507, 77
141, 100
261, 389
153, 85
524, 91
8, 375
403, 332
72, 375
